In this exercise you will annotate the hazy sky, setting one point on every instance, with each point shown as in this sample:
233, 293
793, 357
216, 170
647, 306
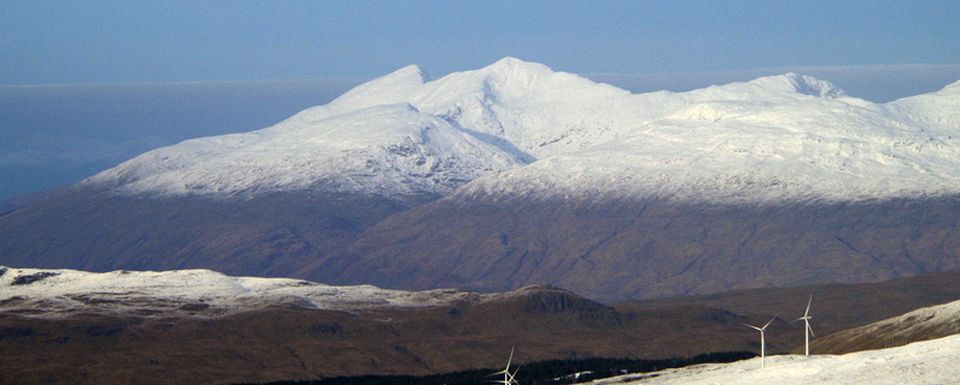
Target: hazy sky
44, 42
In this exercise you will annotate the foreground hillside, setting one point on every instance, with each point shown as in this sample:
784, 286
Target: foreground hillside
218, 329
121, 327
918, 325
928, 362
515, 174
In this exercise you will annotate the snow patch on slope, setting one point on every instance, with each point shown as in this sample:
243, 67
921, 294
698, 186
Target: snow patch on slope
925, 322
928, 362
61, 292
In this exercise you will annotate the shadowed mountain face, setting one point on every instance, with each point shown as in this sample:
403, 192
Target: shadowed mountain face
272, 235
606, 251
621, 250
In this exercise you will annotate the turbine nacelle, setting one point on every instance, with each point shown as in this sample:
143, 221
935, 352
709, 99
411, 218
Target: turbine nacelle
508, 377
808, 331
761, 329
763, 342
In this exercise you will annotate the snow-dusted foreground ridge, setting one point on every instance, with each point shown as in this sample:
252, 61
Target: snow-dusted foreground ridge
921, 324
58, 292
519, 129
928, 362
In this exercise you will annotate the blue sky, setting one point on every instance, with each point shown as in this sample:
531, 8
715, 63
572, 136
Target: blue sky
44, 42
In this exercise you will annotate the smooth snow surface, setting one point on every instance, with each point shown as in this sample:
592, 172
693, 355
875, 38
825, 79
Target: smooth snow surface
521, 130
60, 292
927, 362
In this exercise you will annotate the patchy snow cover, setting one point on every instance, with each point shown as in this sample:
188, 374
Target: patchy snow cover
928, 362
520, 129
59, 292
934, 321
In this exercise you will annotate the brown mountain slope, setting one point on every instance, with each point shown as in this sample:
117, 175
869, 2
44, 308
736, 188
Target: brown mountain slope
270, 235
609, 250
620, 250
835, 307
297, 343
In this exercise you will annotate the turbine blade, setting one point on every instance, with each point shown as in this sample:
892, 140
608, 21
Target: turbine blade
509, 360
768, 323
752, 327
513, 376
811, 330
807, 312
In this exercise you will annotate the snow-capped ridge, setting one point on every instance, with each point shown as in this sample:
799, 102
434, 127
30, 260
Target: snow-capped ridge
520, 128
787, 84
511, 69
392, 88
812, 86
392, 150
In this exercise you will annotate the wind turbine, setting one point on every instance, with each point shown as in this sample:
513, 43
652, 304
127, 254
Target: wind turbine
807, 330
508, 378
763, 342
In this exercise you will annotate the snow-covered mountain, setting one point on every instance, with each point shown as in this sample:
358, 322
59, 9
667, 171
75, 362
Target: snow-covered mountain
515, 174
929, 362
521, 129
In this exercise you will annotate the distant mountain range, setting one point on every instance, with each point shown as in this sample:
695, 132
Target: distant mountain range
515, 174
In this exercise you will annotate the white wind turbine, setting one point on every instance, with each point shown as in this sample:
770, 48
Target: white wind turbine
807, 330
508, 378
763, 342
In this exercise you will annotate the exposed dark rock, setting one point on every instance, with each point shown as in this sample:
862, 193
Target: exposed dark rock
13, 332
194, 307
31, 278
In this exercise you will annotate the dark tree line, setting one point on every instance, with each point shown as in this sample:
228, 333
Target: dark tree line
536, 373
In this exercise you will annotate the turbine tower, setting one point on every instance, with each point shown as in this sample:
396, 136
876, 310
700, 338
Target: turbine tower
508, 378
807, 330
763, 342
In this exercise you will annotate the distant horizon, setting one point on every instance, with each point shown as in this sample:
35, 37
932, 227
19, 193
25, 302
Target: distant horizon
930, 75
105, 41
